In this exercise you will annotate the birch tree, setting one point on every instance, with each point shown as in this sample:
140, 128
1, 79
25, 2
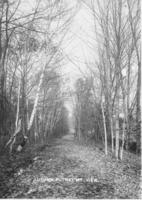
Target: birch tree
36, 35
134, 20
116, 29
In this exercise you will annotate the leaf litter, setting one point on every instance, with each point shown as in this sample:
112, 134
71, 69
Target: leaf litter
66, 169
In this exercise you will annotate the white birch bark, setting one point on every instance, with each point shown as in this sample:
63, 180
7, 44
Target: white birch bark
117, 134
112, 134
105, 131
123, 141
36, 101
18, 101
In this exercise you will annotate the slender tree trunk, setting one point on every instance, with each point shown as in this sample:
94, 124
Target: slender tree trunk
36, 101
128, 104
105, 131
117, 137
18, 103
23, 105
78, 124
36, 129
138, 116
124, 127
123, 141
117, 127
112, 133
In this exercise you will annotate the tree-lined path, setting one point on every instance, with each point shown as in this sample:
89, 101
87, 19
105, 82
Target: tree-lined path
70, 98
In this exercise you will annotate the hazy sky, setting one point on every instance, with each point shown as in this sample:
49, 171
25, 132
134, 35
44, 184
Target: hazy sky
79, 43
79, 47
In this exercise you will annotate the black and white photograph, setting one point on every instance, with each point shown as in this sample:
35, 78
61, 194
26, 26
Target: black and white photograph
70, 99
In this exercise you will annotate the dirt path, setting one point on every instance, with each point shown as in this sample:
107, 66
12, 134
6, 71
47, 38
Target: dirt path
68, 170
